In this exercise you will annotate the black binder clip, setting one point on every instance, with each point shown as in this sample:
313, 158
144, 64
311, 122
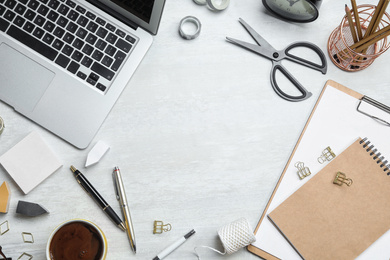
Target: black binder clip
341, 179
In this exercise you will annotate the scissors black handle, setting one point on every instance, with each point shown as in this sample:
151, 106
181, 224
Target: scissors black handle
285, 54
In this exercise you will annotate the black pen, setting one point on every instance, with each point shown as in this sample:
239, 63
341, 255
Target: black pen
97, 197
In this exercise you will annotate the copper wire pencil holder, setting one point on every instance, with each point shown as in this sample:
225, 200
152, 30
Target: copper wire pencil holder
341, 38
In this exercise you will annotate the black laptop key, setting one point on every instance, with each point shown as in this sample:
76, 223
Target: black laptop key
81, 75
2, 10
63, 9
20, 9
73, 15
52, 16
119, 58
33, 4
43, 10
54, 4
62, 21
111, 38
123, 45
97, 55
72, 27
57, 44
49, 26
68, 38
81, 9
71, 3
78, 44
48, 38
110, 27
86, 61
101, 32
67, 50
90, 15
59, 32
29, 15
110, 50
88, 49
77, 56
19, 21
29, 27
10, 4
100, 21
82, 20
38, 32
130, 39
81, 33
73, 67
9, 15
31, 42
102, 71
101, 87
62, 60
3, 24
39, 20
91, 38
92, 26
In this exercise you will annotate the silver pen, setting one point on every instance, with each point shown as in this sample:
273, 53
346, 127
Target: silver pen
121, 197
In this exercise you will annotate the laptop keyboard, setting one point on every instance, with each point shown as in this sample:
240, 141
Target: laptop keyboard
71, 36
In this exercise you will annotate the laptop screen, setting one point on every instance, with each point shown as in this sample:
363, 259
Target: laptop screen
144, 13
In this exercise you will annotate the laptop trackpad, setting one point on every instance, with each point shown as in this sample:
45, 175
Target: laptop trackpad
22, 80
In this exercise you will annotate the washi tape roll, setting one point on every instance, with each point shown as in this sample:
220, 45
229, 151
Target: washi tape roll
200, 2
189, 19
1, 125
218, 5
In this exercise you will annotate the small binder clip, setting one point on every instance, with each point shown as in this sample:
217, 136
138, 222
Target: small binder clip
159, 227
302, 170
342, 178
327, 155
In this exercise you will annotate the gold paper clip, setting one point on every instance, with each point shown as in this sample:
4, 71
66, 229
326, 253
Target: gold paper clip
160, 227
27, 237
302, 170
342, 178
327, 155
4, 227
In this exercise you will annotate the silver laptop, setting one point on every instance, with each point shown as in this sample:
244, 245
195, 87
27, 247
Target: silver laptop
64, 63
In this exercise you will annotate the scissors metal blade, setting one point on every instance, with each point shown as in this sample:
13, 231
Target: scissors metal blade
257, 37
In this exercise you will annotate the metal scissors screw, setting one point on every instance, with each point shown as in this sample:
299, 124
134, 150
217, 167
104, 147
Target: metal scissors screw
264, 49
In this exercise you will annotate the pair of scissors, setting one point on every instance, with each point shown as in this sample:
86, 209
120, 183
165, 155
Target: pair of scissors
264, 49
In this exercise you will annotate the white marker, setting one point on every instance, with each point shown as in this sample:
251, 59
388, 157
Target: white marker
175, 245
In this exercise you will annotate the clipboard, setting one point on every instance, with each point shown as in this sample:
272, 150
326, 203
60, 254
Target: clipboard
339, 116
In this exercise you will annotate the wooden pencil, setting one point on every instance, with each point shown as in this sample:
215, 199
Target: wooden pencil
374, 18
365, 46
379, 33
357, 19
350, 22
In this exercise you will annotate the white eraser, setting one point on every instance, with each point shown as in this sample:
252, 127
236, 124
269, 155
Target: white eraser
96, 153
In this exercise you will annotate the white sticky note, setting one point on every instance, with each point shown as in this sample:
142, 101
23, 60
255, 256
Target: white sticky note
30, 162
96, 153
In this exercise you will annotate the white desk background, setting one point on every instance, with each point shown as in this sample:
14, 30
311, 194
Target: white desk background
200, 136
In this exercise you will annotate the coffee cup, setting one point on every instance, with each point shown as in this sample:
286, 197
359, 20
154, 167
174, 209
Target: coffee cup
77, 239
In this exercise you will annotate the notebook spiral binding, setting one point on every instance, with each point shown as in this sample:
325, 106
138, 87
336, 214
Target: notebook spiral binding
376, 155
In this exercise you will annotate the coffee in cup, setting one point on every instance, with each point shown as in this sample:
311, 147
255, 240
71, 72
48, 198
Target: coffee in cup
77, 240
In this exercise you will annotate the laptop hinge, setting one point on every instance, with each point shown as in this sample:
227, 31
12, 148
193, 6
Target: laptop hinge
114, 13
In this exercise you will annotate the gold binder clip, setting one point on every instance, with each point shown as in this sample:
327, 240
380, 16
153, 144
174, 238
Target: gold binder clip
302, 170
327, 155
342, 178
160, 227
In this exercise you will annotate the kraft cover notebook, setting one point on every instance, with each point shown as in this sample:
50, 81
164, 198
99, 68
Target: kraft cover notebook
324, 220
339, 116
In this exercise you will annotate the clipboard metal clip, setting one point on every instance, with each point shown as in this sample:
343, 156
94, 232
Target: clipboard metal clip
376, 104
302, 170
341, 179
327, 155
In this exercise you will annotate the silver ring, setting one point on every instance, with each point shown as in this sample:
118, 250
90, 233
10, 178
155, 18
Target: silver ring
193, 20
200, 2
218, 7
1, 125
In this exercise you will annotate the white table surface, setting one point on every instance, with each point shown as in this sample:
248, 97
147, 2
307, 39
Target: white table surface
199, 134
